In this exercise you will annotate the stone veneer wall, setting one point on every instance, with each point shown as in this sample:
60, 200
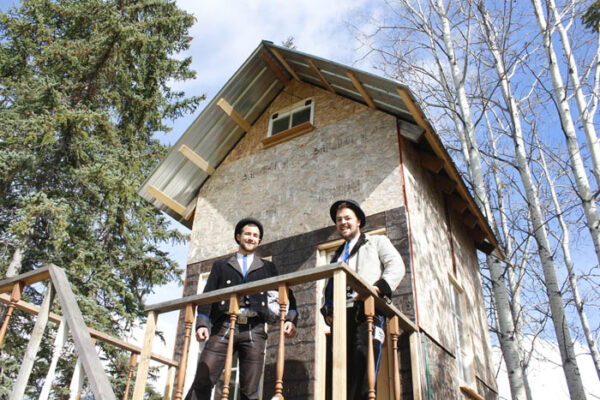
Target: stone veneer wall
299, 253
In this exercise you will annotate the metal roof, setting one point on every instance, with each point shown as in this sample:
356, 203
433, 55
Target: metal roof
250, 91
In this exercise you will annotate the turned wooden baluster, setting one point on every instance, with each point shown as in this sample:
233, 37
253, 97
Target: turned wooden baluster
394, 333
234, 311
189, 321
14, 299
283, 302
369, 314
132, 364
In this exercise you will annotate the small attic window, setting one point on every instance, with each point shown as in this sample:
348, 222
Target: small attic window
297, 115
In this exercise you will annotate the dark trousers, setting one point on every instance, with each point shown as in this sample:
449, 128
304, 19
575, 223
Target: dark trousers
249, 342
357, 337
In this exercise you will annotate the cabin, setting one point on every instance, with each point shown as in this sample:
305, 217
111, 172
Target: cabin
289, 134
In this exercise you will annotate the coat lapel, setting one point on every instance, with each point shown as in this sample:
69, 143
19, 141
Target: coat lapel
233, 262
256, 264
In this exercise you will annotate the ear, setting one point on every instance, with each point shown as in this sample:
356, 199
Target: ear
238, 238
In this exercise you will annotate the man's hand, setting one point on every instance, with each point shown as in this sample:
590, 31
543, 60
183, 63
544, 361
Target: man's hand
329, 320
202, 334
289, 329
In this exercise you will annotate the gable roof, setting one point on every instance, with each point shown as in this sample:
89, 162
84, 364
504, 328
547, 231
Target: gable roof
176, 181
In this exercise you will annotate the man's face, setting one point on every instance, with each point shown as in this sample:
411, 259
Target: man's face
249, 239
347, 223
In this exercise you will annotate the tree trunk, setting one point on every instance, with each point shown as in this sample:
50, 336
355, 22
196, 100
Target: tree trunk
559, 319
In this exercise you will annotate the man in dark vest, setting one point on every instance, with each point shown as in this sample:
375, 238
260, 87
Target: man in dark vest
212, 322
378, 262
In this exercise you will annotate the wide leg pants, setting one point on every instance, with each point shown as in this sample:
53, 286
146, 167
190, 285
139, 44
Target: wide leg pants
249, 342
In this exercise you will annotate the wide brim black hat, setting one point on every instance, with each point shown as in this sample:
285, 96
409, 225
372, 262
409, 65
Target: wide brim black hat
353, 205
245, 221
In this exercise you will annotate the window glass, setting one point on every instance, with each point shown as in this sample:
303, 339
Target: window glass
301, 116
460, 335
280, 124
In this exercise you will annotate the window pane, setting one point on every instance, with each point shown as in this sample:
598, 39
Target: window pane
301, 116
280, 125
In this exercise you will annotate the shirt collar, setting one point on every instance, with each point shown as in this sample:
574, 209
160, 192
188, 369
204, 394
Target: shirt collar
240, 258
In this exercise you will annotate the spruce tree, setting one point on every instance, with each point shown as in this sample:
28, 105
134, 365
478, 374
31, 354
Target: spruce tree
84, 88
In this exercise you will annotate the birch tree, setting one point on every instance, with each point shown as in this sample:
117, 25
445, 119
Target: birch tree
565, 343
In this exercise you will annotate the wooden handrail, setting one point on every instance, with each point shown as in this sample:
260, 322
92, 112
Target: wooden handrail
295, 278
94, 333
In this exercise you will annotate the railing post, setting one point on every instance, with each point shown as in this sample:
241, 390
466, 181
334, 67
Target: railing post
415, 365
369, 314
234, 311
142, 372
338, 380
169, 384
35, 340
189, 321
132, 363
76, 381
14, 299
394, 330
59, 342
283, 302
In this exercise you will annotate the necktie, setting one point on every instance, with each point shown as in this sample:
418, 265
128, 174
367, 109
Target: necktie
245, 265
346, 252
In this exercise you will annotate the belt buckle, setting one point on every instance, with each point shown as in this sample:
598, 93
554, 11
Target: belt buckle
242, 320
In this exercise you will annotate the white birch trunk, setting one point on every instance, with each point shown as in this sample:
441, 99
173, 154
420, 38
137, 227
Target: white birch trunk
581, 180
558, 316
569, 264
587, 119
16, 261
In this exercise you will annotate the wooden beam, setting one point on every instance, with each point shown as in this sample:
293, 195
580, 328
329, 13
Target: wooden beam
446, 185
338, 380
166, 200
477, 234
415, 368
234, 115
190, 210
471, 393
361, 89
431, 162
59, 342
484, 246
285, 63
139, 388
26, 279
274, 68
470, 220
196, 159
457, 203
94, 371
317, 71
33, 345
412, 132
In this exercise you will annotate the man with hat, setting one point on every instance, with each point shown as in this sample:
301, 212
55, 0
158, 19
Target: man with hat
378, 262
212, 322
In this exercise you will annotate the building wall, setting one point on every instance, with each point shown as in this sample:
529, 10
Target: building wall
434, 226
352, 152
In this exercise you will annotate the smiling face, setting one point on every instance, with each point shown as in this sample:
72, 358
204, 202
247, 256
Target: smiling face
347, 223
249, 239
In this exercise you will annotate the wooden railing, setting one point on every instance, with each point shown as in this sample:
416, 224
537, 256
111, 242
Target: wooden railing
83, 337
342, 276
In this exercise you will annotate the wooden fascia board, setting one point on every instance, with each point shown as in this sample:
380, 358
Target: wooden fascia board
317, 71
196, 159
166, 200
285, 63
449, 167
431, 162
361, 89
234, 115
274, 68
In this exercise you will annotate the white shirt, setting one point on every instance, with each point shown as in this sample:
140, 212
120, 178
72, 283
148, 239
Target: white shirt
240, 260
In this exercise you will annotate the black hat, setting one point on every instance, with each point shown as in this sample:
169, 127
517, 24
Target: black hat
351, 205
247, 221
